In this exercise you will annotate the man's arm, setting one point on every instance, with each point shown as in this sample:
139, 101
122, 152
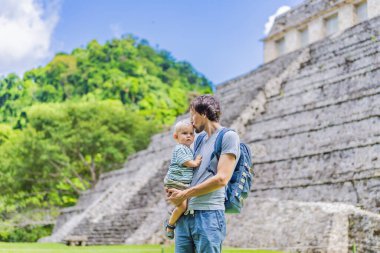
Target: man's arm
224, 172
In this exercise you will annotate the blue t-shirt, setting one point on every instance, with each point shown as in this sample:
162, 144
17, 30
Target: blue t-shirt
230, 145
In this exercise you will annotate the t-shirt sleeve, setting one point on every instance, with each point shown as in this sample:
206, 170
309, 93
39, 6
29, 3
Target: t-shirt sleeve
231, 144
183, 155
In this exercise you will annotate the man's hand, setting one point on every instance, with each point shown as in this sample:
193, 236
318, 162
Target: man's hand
225, 169
175, 196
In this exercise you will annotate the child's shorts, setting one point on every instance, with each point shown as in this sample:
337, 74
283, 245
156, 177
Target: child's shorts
169, 183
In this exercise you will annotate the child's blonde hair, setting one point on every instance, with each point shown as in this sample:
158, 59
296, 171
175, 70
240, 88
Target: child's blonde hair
181, 124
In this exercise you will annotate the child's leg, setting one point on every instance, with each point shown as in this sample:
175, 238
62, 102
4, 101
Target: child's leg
178, 211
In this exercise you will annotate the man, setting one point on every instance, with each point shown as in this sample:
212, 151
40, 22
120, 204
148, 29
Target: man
203, 226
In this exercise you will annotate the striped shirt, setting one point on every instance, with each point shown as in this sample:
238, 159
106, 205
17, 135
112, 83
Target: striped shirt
178, 172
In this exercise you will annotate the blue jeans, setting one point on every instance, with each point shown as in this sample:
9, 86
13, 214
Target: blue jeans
201, 232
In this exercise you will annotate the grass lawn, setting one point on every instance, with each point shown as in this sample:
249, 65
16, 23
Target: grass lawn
61, 248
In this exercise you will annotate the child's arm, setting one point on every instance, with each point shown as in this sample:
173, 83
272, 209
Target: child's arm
193, 163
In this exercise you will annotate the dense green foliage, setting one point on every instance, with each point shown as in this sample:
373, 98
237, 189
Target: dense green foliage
64, 124
28, 233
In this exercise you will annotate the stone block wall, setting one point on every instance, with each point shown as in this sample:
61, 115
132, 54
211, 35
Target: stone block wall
303, 227
319, 138
235, 94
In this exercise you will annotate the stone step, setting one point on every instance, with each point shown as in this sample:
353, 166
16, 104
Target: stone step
240, 92
361, 133
124, 225
350, 44
297, 87
153, 223
342, 165
322, 72
123, 212
316, 119
115, 199
339, 48
337, 91
88, 197
362, 193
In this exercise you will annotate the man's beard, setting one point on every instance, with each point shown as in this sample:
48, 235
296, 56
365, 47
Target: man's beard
199, 129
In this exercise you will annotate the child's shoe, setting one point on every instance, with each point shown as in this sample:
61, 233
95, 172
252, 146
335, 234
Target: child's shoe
169, 233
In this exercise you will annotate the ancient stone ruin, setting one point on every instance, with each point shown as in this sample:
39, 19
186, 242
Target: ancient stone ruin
315, 20
312, 118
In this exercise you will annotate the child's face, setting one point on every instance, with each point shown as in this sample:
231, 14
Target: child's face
185, 135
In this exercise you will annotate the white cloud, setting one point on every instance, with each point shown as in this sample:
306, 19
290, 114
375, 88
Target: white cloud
271, 19
26, 28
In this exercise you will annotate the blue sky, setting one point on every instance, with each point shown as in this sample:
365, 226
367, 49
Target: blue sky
220, 38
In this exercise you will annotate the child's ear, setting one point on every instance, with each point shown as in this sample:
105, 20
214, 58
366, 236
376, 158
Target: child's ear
175, 136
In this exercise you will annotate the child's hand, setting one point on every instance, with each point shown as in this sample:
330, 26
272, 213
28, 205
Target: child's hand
198, 160
193, 163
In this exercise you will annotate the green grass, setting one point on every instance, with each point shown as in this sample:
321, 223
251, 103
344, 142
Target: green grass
60, 248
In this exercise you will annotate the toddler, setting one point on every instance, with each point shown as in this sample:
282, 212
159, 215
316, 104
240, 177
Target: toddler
180, 171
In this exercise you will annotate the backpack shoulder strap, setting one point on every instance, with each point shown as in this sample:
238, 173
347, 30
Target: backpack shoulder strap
218, 142
198, 141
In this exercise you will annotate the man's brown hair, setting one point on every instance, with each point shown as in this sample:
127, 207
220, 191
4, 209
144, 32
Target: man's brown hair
207, 105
